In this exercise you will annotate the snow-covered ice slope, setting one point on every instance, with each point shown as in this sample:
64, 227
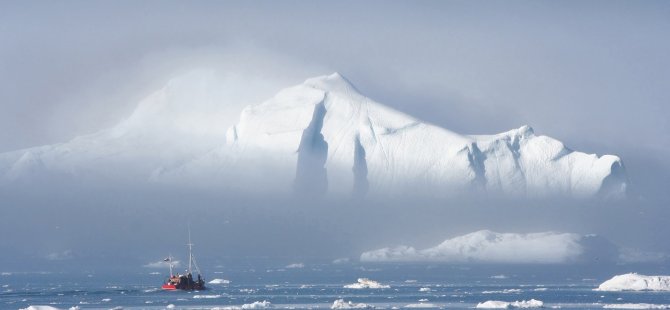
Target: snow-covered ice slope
334, 139
321, 136
636, 282
491, 247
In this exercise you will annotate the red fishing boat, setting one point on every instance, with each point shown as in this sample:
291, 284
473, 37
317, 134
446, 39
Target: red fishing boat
185, 281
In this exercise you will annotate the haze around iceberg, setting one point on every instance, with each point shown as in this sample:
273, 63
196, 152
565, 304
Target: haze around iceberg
181, 154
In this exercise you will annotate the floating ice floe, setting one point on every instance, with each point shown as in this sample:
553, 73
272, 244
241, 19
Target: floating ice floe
366, 283
636, 306
496, 304
295, 266
341, 304
254, 305
38, 307
206, 296
636, 282
424, 289
343, 260
219, 281
505, 291
421, 305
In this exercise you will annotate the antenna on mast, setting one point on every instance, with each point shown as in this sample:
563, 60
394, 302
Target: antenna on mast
170, 262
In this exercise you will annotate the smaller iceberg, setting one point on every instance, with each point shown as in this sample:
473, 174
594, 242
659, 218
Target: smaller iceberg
366, 283
496, 304
635, 282
341, 304
219, 281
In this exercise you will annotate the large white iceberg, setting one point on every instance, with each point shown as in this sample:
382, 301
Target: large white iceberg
321, 136
492, 247
636, 282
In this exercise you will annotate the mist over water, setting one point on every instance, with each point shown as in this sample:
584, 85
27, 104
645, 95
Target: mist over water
120, 227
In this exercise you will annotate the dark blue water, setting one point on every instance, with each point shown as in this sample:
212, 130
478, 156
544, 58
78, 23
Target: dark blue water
319, 285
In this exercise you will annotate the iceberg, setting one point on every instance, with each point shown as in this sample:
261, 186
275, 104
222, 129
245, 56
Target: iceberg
341, 304
219, 281
491, 247
636, 282
496, 304
319, 137
366, 283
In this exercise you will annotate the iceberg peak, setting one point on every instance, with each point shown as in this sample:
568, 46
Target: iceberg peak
334, 82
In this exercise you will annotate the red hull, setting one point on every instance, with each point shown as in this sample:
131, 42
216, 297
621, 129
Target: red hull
169, 287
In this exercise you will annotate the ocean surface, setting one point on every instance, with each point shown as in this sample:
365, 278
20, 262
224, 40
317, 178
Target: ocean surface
318, 286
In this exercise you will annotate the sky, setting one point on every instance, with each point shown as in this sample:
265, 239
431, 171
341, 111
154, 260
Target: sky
593, 74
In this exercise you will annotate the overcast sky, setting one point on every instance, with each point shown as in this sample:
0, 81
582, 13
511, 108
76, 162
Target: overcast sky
594, 74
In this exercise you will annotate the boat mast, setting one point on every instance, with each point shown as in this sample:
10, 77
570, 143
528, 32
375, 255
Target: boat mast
190, 249
170, 262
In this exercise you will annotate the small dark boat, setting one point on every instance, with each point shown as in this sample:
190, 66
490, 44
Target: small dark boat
185, 282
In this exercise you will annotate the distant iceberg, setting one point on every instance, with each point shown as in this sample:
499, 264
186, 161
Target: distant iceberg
492, 247
636, 282
366, 283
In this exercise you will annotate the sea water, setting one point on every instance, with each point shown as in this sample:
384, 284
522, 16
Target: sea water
317, 286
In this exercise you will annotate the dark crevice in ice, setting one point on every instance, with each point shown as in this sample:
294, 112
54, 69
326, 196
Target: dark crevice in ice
360, 170
310, 176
